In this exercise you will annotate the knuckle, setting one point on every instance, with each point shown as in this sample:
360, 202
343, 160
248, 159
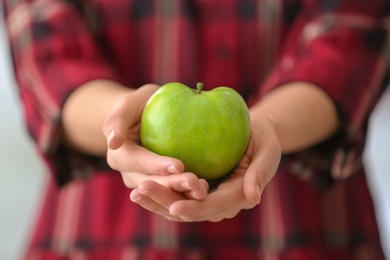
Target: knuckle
189, 177
232, 214
128, 180
215, 220
139, 166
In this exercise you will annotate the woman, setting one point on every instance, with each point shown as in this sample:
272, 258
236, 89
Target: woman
310, 71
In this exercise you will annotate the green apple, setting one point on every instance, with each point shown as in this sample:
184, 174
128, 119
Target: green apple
208, 131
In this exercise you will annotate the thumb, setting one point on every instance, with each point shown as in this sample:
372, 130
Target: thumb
258, 174
115, 133
254, 184
126, 113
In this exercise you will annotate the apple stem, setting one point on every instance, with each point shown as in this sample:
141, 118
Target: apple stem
199, 87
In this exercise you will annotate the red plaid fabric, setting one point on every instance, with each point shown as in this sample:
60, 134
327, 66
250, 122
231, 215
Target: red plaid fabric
253, 46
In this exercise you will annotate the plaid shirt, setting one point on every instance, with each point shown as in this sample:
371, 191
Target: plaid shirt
252, 46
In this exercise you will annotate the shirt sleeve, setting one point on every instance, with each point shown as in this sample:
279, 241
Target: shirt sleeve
53, 53
339, 47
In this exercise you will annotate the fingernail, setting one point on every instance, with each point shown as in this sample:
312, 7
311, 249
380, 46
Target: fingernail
134, 196
197, 194
186, 185
172, 169
111, 135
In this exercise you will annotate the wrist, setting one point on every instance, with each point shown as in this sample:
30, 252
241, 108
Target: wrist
301, 114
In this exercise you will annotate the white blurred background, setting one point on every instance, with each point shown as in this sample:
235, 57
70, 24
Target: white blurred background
22, 175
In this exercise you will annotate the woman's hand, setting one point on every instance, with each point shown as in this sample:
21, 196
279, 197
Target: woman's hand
291, 118
135, 163
241, 190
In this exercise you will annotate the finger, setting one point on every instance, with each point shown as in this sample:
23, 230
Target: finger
160, 194
149, 204
189, 184
117, 135
260, 171
118, 122
125, 114
182, 182
216, 206
200, 193
253, 185
132, 157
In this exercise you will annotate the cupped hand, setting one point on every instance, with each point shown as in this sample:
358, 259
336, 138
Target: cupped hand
137, 164
241, 190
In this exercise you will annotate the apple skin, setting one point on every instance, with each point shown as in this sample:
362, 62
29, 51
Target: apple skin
208, 131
